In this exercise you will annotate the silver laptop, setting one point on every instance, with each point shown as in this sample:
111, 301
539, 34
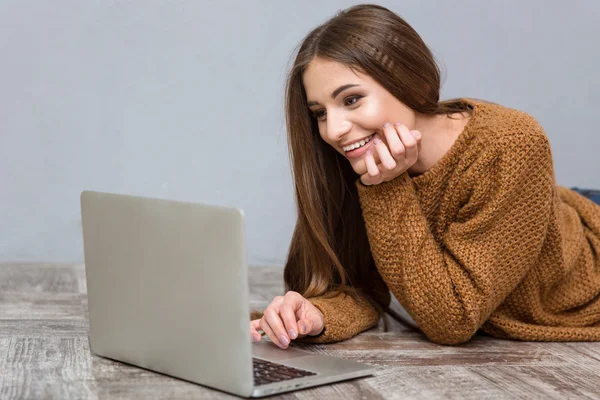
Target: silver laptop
168, 291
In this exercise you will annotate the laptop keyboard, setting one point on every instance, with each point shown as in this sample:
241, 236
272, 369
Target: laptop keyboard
269, 372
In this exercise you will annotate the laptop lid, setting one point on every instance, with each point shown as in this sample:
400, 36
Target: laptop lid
167, 287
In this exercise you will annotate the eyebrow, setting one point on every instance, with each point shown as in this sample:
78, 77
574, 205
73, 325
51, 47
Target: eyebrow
335, 93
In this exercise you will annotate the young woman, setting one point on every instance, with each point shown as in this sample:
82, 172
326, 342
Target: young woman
452, 206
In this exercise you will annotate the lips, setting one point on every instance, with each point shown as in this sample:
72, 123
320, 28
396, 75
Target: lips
367, 139
358, 152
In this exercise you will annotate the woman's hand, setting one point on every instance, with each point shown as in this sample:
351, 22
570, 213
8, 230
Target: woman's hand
402, 154
287, 318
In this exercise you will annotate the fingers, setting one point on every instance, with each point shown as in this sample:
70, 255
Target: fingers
288, 318
254, 327
273, 326
387, 161
265, 326
397, 155
410, 143
304, 326
310, 327
279, 321
373, 175
393, 140
292, 302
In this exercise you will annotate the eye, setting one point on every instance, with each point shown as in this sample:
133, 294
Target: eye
320, 114
351, 100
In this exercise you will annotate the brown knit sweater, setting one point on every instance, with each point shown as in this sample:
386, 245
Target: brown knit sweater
483, 240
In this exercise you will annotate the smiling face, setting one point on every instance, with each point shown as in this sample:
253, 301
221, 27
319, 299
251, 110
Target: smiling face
350, 107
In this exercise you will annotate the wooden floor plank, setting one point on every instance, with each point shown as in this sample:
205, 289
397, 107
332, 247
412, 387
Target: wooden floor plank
42, 305
26, 328
434, 382
548, 382
35, 278
38, 367
44, 353
457, 357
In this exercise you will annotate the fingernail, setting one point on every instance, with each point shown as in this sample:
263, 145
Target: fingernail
303, 327
293, 334
369, 152
387, 125
376, 141
398, 123
416, 134
283, 340
255, 338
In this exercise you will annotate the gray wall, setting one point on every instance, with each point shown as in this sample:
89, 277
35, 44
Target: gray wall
183, 100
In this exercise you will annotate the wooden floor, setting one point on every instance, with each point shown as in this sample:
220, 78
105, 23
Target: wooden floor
44, 353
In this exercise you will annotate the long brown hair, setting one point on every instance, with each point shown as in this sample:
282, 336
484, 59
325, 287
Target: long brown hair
329, 252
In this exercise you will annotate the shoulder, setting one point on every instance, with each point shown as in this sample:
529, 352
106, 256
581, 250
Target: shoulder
501, 126
508, 149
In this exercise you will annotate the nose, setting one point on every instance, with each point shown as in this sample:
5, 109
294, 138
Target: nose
337, 126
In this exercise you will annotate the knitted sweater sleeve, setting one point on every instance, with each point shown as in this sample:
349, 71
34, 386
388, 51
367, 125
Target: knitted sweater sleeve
345, 316
450, 283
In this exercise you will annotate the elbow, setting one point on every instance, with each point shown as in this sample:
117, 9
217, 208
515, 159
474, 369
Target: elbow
452, 335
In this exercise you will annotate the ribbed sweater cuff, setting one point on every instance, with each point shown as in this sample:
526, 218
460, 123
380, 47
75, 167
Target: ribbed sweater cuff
343, 318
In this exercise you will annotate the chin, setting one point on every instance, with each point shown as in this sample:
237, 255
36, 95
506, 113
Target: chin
359, 167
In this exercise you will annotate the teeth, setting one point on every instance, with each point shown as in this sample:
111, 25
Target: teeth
358, 144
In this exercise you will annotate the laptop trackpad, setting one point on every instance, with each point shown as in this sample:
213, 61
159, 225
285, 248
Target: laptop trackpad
268, 350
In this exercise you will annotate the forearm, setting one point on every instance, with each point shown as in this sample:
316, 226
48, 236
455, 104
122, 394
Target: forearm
411, 263
344, 317
450, 283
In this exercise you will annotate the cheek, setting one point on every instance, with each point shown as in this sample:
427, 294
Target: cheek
394, 111
375, 114
406, 117
372, 115
322, 132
